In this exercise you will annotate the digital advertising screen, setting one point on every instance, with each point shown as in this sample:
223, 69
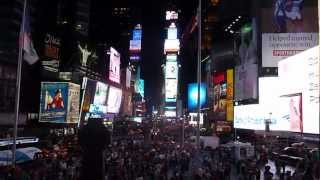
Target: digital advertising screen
128, 77
284, 113
136, 34
139, 87
171, 57
171, 90
135, 45
171, 45
100, 95
246, 69
299, 74
193, 95
288, 28
171, 69
114, 100
114, 66
172, 33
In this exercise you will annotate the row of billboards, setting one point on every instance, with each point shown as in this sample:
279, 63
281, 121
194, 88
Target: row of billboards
289, 102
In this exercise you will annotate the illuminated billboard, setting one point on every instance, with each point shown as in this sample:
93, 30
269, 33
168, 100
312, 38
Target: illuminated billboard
136, 34
114, 100
135, 45
172, 33
139, 87
59, 102
171, 15
193, 95
128, 77
171, 57
171, 70
283, 113
171, 90
171, 45
299, 74
288, 28
100, 96
114, 66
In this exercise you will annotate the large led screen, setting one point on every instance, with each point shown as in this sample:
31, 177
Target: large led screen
114, 66
299, 74
171, 69
114, 100
284, 113
172, 33
288, 27
139, 87
171, 90
193, 95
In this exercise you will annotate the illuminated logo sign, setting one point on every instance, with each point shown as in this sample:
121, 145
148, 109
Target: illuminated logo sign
170, 113
134, 58
171, 15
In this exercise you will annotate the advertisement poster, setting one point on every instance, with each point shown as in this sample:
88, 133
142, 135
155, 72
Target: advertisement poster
295, 114
51, 53
288, 27
114, 100
114, 67
171, 90
59, 102
246, 70
73, 103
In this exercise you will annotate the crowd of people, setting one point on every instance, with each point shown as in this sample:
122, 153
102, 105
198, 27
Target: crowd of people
128, 158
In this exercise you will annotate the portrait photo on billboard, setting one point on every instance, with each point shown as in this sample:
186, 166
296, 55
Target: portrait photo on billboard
53, 102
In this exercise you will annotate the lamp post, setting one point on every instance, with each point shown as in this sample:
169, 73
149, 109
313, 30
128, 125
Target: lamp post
199, 75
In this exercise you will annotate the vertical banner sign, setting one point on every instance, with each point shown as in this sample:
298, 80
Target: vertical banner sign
288, 27
229, 114
114, 67
73, 103
51, 53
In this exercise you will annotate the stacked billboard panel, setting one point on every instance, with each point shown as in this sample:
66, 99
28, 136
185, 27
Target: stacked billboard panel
171, 50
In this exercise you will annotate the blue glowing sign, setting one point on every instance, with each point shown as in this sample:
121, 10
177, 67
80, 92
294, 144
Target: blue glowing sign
136, 34
193, 95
